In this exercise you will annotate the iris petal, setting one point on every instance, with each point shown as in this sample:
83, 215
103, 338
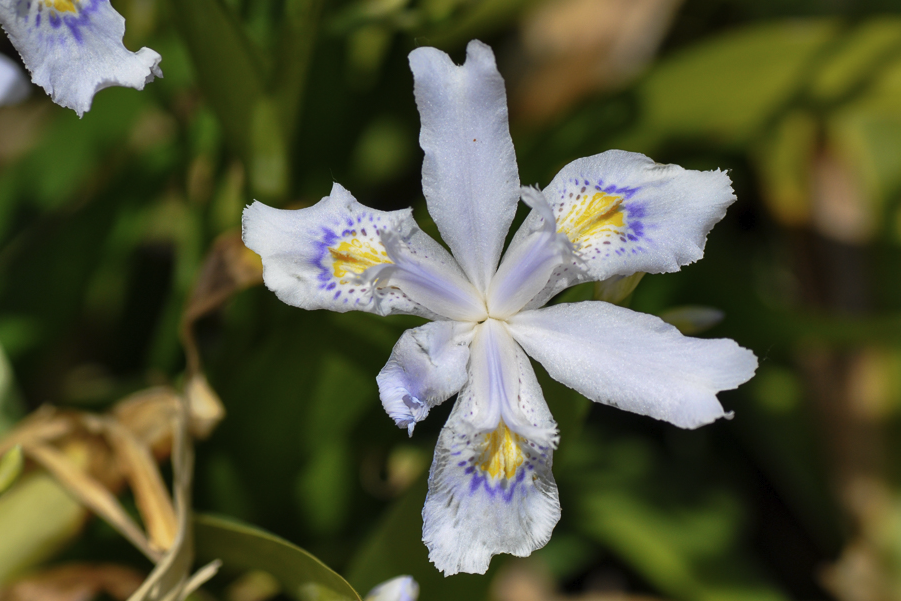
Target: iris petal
633, 361
469, 174
624, 214
491, 489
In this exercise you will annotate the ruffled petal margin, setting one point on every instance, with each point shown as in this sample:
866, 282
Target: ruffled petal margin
74, 49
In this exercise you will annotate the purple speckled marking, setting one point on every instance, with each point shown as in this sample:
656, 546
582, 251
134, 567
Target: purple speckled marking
328, 239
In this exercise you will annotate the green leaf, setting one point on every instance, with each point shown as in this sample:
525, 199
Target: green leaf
229, 70
10, 467
242, 547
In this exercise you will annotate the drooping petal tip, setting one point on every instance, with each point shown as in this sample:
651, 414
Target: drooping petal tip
73, 48
427, 366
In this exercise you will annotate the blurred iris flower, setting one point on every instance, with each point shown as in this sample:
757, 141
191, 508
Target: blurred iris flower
73, 48
601, 218
14, 85
402, 588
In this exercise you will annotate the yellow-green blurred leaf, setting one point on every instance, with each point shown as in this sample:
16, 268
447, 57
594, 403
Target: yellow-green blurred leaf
37, 517
10, 467
724, 90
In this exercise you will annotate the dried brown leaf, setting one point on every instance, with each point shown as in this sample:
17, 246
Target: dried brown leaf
43, 425
91, 493
170, 580
150, 415
204, 406
75, 582
228, 268
151, 496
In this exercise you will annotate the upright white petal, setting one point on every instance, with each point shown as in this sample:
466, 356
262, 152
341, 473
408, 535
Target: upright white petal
402, 588
491, 489
528, 265
469, 175
317, 258
73, 48
633, 361
624, 214
427, 367
14, 86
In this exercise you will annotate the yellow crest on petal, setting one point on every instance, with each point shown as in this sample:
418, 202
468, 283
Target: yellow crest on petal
63, 6
590, 217
502, 455
356, 257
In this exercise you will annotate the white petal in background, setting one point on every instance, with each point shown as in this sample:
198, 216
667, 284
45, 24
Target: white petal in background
427, 367
402, 588
633, 361
469, 174
14, 86
74, 49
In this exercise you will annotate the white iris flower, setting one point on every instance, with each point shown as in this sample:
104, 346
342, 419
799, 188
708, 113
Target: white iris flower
610, 215
73, 48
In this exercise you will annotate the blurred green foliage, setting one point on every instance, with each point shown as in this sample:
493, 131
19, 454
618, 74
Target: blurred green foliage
105, 222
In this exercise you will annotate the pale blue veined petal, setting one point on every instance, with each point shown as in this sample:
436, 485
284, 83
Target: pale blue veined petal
528, 265
624, 214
